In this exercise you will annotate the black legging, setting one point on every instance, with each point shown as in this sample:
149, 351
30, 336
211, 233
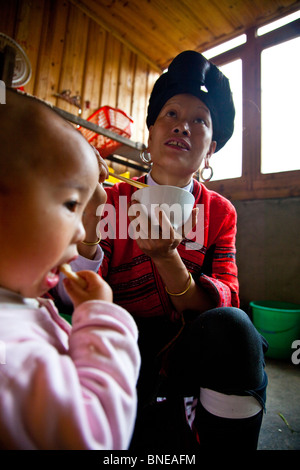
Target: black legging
219, 349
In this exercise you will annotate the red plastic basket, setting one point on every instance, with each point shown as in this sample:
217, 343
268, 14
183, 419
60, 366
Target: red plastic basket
112, 119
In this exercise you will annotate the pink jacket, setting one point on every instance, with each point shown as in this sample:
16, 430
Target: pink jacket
64, 387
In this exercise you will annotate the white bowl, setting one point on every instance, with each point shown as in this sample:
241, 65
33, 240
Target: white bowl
177, 203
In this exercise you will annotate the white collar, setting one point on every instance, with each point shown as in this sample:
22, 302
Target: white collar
151, 182
12, 298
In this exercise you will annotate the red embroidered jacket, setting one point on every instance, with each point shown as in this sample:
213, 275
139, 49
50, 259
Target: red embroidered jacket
132, 275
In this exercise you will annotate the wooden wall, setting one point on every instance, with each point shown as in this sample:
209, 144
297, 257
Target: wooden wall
69, 51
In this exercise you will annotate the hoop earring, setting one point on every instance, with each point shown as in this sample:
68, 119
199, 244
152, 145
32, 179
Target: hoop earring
209, 168
145, 156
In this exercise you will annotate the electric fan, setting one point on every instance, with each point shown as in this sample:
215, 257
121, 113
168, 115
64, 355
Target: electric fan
15, 68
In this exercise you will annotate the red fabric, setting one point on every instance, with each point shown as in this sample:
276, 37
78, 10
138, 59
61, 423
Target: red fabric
132, 275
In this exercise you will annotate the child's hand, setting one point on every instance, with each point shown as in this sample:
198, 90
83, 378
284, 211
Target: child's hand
96, 288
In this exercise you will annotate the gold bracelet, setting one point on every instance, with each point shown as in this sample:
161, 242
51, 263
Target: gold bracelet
92, 243
183, 292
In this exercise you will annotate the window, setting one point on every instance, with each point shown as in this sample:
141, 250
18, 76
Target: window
262, 159
278, 23
280, 105
227, 163
225, 46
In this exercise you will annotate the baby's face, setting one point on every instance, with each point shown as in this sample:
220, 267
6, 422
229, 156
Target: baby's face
43, 219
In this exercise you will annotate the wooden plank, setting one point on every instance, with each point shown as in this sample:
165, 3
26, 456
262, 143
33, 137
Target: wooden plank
102, 16
131, 21
262, 187
157, 30
28, 34
8, 17
73, 57
151, 79
191, 21
139, 102
111, 76
126, 80
93, 70
51, 49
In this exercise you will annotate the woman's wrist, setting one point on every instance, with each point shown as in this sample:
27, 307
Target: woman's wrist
88, 247
174, 273
92, 243
87, 251
179, 281
172, 257
179, 294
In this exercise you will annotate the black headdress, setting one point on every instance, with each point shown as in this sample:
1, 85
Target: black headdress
190, 72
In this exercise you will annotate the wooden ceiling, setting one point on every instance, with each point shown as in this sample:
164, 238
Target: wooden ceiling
159, 29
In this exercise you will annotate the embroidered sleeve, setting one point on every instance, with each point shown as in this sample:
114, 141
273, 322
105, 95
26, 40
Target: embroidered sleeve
219, 274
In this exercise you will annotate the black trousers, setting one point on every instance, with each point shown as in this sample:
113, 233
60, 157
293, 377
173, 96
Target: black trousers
219, 349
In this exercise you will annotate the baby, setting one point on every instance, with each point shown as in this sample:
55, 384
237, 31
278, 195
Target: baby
61, 386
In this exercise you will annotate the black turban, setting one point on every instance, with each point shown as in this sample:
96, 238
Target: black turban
187, 73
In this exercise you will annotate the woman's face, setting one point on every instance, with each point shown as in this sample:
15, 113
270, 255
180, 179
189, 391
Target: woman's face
180, 139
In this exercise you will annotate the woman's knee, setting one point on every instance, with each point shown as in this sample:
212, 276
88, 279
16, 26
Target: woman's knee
229, 329
222, 350
234, 347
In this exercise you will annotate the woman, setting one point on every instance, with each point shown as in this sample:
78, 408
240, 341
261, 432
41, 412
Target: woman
218, 356
194, 340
